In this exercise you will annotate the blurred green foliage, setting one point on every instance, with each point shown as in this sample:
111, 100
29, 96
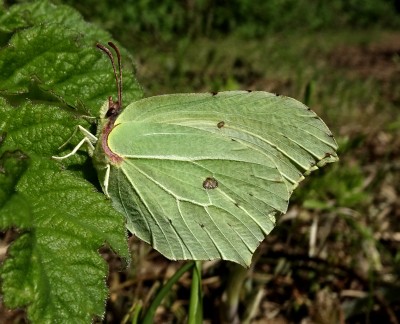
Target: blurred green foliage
169, 18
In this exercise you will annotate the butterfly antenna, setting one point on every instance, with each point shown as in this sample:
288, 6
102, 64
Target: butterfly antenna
119, 70
118, 80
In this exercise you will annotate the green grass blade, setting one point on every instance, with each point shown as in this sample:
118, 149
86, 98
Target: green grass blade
196, 296
149, 315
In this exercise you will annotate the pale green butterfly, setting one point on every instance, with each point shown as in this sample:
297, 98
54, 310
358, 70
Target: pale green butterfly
202, 176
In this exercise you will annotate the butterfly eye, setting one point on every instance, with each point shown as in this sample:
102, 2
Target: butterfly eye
111, 111
221, 124
210, 183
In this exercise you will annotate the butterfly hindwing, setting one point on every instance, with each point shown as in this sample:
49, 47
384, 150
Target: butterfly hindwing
204, 175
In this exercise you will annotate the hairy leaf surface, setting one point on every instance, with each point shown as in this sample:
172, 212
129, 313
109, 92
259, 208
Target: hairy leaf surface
50, 75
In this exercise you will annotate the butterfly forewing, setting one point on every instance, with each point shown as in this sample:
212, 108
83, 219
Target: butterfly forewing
204, 175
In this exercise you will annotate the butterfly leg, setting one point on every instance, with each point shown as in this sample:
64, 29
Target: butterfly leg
106, 180
88, 135
89, 139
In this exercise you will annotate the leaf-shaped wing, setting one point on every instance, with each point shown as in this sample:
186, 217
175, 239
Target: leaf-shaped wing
203, 176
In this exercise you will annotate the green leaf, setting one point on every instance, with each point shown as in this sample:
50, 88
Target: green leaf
34, 13
51, 74
12, 167
54, 267
203, 176
63, 64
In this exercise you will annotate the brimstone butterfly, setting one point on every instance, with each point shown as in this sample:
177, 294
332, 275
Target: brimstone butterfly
202, 176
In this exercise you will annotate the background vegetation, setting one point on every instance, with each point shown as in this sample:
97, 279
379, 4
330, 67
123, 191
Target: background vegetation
335, 256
